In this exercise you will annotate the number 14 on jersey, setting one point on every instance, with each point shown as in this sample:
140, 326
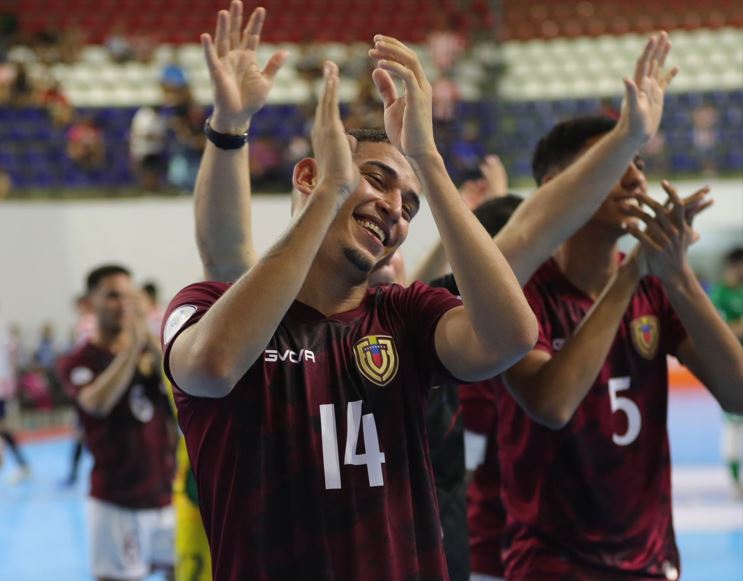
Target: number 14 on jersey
372, 458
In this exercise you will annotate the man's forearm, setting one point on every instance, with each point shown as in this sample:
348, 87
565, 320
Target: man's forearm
552, 394
718, 357
219, 350
564, 204
491, 294
222, 204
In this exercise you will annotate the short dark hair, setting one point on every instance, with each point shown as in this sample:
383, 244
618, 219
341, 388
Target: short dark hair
735, 256
370, 135
98, 274
494, 213
559, 147
150, 289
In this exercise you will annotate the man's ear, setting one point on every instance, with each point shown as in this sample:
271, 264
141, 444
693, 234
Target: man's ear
304, 178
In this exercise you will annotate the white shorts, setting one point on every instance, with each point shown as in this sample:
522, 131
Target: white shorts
481, 577
732, 440
126, 543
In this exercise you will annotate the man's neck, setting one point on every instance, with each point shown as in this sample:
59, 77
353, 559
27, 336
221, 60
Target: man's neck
112, 341
589, 259
328, 291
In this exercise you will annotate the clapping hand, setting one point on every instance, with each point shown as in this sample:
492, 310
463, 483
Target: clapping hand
240, 86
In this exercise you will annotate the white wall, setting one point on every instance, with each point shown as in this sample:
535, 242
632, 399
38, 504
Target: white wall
46, 248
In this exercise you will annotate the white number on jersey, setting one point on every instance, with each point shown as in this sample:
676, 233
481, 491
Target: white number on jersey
372, 457
626, 405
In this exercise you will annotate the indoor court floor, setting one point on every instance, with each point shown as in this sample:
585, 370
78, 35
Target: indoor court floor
43, 533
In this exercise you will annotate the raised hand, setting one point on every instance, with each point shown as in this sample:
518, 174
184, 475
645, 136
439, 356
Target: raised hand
330, 143
642, 107
495, 175
408, 119
668, 232
240, 86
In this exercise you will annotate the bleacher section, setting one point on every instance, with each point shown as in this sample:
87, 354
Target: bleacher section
357, 20
33, 151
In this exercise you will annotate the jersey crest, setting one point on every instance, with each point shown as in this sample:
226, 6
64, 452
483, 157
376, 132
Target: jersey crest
645, 333
376, 358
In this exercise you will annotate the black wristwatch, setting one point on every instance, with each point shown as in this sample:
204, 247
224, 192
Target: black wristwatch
224, 140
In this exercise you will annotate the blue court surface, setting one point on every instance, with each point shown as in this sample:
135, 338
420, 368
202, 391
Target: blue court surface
43, 532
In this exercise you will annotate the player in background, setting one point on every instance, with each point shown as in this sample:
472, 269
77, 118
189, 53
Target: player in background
595, 171
115, 381
727, 296
344, 227
583, 445
8, 386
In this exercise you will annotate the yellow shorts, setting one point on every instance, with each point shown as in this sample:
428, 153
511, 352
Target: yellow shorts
192, 559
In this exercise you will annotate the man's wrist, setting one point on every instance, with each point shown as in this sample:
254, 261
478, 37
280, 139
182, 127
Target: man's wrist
624, 133
224, 140
426, 159
229, 125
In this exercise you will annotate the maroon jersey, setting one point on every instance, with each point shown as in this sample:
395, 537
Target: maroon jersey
486, 516
316, 465
594, 498
132, 447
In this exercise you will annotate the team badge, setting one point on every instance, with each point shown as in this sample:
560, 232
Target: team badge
376, 358
176, 320
645, 333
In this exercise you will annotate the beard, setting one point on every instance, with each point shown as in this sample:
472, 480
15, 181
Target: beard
361, 262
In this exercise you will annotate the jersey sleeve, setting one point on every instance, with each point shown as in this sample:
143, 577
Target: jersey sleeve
185, 310
421, 308
533, 297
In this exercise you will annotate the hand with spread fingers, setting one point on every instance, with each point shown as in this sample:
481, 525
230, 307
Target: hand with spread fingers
240, 86
330, 143
642, 107
408, 118
495, 175
668, 231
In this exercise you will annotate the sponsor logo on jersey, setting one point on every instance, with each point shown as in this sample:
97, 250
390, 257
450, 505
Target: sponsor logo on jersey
176, 320
645, 333
272, 355
376, 358
140, 405
81, 376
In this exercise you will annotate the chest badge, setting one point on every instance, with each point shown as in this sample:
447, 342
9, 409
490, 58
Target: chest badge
376, 358
645, 333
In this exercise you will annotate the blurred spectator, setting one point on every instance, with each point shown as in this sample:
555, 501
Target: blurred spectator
45, 353
445, 98
187, 147
118, 44
445, 43
8, 388
174, 84
22, 91
6, 184
265, 163
86, 324
490, 181
71, 42
35, 388
56, 103
85, 144
704, 136
153, 309
467, 151
147, 147
366, 110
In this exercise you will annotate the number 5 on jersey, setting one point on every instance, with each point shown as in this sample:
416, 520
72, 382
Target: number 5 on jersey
626, 405
372, 457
